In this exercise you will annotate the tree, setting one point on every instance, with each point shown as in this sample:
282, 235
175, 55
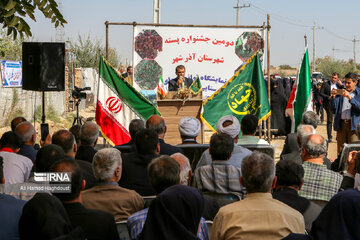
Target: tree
286, 67
13, 12
328, 65
9, 49
88, 51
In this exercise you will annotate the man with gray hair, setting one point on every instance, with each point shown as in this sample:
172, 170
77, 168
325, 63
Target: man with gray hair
89, 133
107, 195
258, 215
302, 131
320, 183
231, 126
26, 132
290, 145
211, 206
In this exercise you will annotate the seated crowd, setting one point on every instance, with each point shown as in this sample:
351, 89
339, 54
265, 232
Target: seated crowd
161, 191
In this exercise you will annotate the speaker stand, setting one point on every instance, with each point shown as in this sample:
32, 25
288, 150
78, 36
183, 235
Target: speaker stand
77, 119
43, 107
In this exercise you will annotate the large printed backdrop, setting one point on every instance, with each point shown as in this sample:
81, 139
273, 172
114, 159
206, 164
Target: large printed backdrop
213, 54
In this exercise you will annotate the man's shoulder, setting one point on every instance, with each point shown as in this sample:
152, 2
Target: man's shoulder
166, 148
238, 149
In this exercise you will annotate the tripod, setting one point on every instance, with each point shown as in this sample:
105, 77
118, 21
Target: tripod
77, 119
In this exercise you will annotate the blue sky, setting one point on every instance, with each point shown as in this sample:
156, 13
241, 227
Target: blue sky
290, 21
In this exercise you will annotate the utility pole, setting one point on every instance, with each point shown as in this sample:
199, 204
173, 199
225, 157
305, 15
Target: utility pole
354, 54
157, 7
314, 28
237, 7
333, 52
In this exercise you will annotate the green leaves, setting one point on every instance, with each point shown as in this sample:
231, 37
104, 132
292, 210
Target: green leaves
13, 12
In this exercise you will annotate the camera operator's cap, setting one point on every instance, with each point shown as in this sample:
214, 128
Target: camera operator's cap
189, 127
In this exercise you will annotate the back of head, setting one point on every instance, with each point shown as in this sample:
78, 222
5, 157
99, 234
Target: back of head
346, 207
185, 167
69, 165
105, 163
249, 124
10, 140
310, 118
229, 125
16, 121
156, 123
135, 126
146, 141
189, 127
75, 130
174, 214
65, 139
304, 130
221, 146
315, 145
163, 173
47, 156
89, 133
258, 172
289, 173
44, 217
25, 130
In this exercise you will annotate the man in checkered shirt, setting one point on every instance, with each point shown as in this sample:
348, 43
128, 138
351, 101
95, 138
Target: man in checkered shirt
320, 183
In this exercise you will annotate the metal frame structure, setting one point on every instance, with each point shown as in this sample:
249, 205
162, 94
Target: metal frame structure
265, 26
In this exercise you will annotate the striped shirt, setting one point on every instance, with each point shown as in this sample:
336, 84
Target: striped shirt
218, 177
320, 183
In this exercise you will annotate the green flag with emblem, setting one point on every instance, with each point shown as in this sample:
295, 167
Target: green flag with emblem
245, 93
196, 87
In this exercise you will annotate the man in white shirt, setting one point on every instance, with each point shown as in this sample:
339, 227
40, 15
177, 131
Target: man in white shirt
17, 168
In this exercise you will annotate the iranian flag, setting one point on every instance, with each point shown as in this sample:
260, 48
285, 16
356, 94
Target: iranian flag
161, 87
300, 99
117, 104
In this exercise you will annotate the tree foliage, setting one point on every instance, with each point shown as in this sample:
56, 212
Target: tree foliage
286, 67
10, 49
328, 65
88, 51
13, 12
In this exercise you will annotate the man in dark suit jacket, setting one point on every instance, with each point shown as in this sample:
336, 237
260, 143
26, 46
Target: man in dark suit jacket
96, 224
66, 140
180, 80
134, 126
325, 93
290, 178
157, 124
291, 142
134, 173
89, 134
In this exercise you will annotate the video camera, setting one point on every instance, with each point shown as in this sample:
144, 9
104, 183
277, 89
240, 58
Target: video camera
78, 93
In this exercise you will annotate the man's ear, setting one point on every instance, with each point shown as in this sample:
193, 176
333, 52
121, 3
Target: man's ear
75, 148
189, 176
302, 183
157, 151
83, 185
33, 138
165, 130
95, 142
274, 183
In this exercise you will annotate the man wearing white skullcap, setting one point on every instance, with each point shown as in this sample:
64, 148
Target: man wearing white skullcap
231, 126
189, 129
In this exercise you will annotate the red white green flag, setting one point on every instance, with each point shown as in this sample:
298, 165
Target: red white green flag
161, 87
117, 104
300, 97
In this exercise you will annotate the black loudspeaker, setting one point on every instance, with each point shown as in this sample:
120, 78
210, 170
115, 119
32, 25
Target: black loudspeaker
43, 66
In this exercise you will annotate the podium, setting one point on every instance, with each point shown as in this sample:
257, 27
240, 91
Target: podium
172, 109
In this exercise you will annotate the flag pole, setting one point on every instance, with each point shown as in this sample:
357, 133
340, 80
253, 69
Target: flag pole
268, 73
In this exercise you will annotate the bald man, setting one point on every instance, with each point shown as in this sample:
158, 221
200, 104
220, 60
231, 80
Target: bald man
26, 132
320, 183
157, 123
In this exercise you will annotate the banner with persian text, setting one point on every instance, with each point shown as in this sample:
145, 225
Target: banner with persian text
11, 73
213, 54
